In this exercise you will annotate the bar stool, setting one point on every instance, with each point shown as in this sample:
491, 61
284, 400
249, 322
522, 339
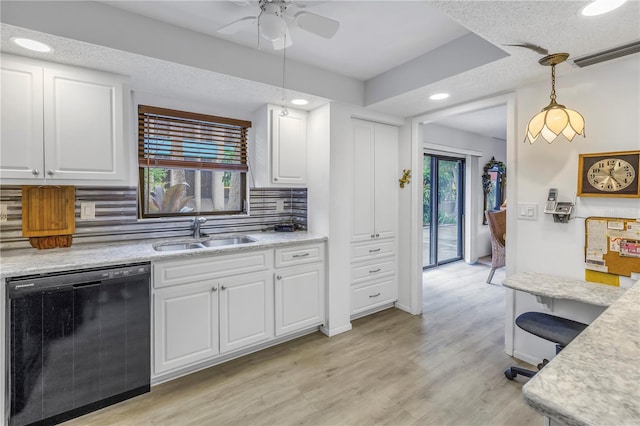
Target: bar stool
560, 331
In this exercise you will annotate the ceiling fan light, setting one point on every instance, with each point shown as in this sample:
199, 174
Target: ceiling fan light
272, 27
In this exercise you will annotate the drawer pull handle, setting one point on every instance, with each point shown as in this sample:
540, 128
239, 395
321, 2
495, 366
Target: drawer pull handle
375, 295
301, 255
374, 250
375, 270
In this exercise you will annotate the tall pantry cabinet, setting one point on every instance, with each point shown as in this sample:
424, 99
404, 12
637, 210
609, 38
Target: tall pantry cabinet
374, 217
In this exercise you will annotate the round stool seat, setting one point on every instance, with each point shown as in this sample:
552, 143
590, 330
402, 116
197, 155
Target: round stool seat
550, 327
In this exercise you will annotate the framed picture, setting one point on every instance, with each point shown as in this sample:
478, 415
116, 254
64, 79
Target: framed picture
609, 174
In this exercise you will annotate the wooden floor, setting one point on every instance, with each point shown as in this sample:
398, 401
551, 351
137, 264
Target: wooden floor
442, 368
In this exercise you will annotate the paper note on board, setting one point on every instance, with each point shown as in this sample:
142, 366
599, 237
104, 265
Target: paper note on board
630, 248
594, 267
597, 235
614, 244
616, 224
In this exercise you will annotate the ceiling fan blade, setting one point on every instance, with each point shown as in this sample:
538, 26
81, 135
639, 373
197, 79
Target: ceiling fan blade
316, 24
237, 25
279, 44
535, 48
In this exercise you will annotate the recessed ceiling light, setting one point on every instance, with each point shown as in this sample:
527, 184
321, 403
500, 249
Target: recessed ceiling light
600, 7
299, 101
34, 45
439, 96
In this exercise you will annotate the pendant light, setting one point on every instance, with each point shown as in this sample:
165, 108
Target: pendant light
555, 119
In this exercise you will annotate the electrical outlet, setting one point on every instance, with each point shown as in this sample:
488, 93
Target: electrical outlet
88, 210
3, 212
279, 206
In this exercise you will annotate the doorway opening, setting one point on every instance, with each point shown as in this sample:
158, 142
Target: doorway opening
442, 210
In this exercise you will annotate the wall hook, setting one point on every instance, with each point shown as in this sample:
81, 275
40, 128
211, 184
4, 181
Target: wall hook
406, 177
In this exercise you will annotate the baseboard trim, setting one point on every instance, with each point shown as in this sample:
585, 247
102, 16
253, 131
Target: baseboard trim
404, 308
330, 332
372, 310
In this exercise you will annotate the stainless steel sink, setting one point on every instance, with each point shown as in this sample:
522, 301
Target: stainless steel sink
214, 242
228, 241
177, 246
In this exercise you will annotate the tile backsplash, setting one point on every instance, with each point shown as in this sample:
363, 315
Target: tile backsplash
116, 216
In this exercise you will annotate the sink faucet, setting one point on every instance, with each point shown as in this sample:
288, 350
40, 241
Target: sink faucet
195, 226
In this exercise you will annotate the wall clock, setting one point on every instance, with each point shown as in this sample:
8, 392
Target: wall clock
609, 174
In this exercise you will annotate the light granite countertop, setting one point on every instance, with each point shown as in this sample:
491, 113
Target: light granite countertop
564, 288
595, 380
33, 261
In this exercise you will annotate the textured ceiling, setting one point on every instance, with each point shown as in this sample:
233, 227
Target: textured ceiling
373, 37
373, 42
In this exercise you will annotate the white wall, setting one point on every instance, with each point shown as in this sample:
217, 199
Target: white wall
489, 147
336, 224
607, 96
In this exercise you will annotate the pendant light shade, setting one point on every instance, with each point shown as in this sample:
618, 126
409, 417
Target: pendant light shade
555, 119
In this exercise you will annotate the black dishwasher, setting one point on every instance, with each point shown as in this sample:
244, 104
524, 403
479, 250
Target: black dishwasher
78, 341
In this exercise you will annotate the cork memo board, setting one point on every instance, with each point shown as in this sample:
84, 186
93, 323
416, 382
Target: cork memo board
612, 245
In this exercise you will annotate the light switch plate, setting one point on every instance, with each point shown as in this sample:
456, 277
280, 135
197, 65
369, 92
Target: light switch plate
279, 206
3, 212
88, 210
527, 211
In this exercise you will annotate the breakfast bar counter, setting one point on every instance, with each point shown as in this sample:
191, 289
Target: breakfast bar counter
595, 380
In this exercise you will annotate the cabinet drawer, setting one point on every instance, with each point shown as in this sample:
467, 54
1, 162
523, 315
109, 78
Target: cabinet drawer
179, 271
371, 250
298, 255
372, 268
368, 296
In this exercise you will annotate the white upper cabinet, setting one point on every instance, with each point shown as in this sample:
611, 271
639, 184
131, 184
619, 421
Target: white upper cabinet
70, 120
375, 184
21, 151
288, 147
279, 154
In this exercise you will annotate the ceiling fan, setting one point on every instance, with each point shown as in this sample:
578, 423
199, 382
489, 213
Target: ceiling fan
274, 20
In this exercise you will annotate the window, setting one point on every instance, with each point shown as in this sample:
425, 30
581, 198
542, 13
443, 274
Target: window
190, 163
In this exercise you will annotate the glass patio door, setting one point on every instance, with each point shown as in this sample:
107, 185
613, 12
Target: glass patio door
443, 210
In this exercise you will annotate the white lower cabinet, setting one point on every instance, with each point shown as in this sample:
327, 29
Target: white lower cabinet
185, 325
207, 306
246, 310
299, 299
369, 295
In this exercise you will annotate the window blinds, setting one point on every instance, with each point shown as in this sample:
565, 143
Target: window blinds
179, 139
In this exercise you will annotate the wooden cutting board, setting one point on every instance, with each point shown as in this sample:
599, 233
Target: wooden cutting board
48, 211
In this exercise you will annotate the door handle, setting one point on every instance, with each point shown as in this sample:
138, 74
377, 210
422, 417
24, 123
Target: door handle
375, 295
223, 288
374, 250
375, 270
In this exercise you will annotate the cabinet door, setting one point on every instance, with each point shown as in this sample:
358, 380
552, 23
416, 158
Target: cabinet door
386, 180
21, 152
83, 115
246, 310
185, 325
299, 301
289, 147
362, 220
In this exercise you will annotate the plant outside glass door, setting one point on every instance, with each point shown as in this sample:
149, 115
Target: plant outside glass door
442, 220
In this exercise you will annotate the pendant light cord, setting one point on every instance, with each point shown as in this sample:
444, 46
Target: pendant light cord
285, 111
553, 84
